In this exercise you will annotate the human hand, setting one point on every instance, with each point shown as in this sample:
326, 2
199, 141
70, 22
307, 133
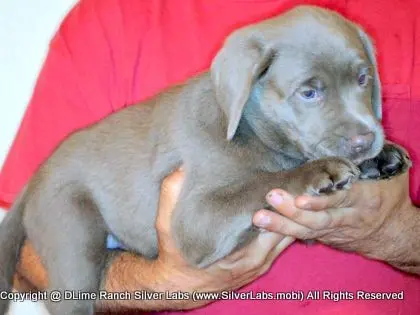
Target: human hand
232, 272
373, 218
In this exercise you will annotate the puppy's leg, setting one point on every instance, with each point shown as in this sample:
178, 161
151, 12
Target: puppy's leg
211, 222
207, 227
71, 243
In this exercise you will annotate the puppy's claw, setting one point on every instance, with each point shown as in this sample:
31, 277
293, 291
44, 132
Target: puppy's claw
326, 190
370, 173
345, 183
331, 175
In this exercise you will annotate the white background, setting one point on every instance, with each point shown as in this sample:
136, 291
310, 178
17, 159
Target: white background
26, 27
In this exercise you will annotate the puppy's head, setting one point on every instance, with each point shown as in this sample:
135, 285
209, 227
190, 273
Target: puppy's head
306, 80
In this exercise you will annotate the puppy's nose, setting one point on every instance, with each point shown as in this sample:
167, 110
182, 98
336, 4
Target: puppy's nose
362, 142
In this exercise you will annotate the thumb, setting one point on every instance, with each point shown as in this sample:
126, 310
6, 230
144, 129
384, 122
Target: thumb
170, 190
339, 199
169, 193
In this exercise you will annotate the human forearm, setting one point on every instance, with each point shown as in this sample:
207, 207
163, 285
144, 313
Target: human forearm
399, 240
125, 273
31, 268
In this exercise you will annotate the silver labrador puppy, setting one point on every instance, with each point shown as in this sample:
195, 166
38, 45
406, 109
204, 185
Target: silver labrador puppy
291, 102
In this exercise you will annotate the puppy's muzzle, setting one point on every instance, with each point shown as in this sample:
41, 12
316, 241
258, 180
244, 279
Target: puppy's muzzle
361, 143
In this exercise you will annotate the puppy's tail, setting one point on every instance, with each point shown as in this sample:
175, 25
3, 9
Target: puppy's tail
12, 237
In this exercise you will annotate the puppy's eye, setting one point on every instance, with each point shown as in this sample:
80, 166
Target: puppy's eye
309, 94
363, 80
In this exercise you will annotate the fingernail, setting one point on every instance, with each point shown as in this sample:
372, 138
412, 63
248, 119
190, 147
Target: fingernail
303, 204
274, 198
262, 220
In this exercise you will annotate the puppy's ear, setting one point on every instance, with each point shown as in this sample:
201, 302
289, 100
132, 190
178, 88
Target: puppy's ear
376, 91
234, 70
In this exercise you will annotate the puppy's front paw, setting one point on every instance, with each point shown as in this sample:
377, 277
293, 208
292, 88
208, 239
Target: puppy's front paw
330, 174
392, 161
